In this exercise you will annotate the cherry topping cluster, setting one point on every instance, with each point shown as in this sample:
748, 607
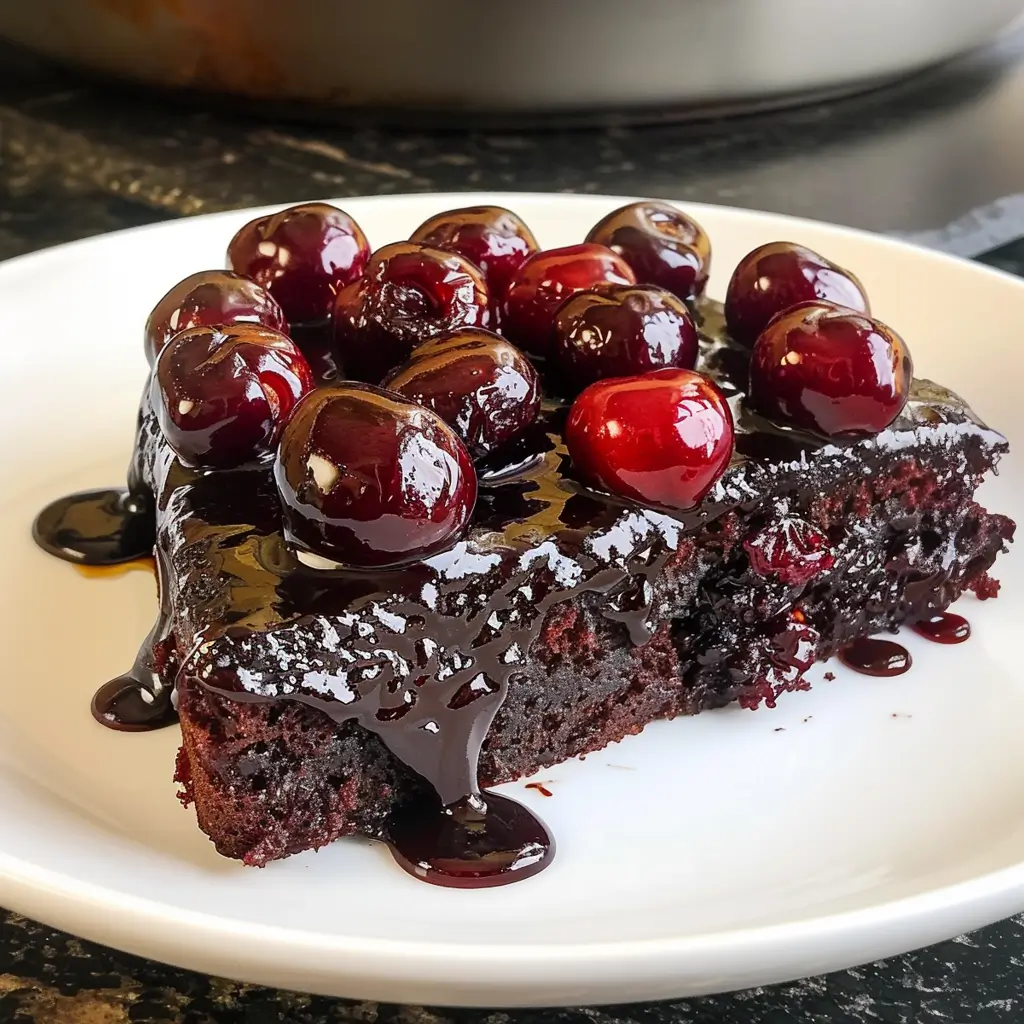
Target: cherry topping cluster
445, 339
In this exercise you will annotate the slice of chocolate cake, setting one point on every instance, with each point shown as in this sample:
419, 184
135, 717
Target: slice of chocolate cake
370, 678
312, 701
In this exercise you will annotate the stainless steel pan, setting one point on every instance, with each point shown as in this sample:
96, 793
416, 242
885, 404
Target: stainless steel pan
506, 55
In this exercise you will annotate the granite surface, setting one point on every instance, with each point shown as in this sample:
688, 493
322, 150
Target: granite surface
77, 159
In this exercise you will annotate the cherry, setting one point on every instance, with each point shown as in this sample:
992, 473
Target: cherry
479, 384
222, 394
493, 238
778, 275
662, 244
409, 293
370, 479
662, 438
302, 256
546, 280
206, 299
790, 550
620, 331
830, 370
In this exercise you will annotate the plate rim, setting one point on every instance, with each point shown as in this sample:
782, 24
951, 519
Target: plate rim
103, 914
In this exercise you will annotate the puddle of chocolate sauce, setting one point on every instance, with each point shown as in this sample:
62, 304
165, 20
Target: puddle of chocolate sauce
944, 628
873, 657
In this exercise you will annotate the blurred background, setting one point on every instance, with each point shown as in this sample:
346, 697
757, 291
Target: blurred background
895, 115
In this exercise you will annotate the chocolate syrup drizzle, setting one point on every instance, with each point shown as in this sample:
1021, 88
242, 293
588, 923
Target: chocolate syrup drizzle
420, 655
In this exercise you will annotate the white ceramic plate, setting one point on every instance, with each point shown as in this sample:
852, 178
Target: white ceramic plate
855, 821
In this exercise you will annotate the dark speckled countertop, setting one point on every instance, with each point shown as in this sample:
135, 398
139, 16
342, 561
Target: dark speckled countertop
76, 160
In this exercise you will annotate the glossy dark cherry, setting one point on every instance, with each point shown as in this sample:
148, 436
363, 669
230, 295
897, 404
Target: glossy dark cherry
221, 395
409, 293
662, 438
621, 331
778, 275
303, 256
662, 245
830, 370
546, 280
479, 384
207, 299
368, 479
493, 238
789, 550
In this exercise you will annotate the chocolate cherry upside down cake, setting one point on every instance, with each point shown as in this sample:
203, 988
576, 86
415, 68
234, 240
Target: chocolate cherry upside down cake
430, 518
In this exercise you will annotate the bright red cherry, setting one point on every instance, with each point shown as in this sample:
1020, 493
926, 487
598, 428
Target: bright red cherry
409, 293
662, 438
493, 238
620, 331
477, 382
206, 299
369, 479
546, 280
302, 256
662, 245
778, 275
222, 394
830, 370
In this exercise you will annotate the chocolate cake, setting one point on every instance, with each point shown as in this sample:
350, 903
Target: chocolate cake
318, 700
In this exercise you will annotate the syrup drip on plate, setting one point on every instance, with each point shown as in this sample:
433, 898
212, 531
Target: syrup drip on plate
143, 698
97, 527
481, 841
873, 657
134, 702
113, 529
944, 628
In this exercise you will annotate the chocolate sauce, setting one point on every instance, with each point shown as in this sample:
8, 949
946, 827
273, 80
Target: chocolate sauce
100, 530
944, 628
873, 657
143, 698
134, 702
480, 841
97, 527
317, 343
